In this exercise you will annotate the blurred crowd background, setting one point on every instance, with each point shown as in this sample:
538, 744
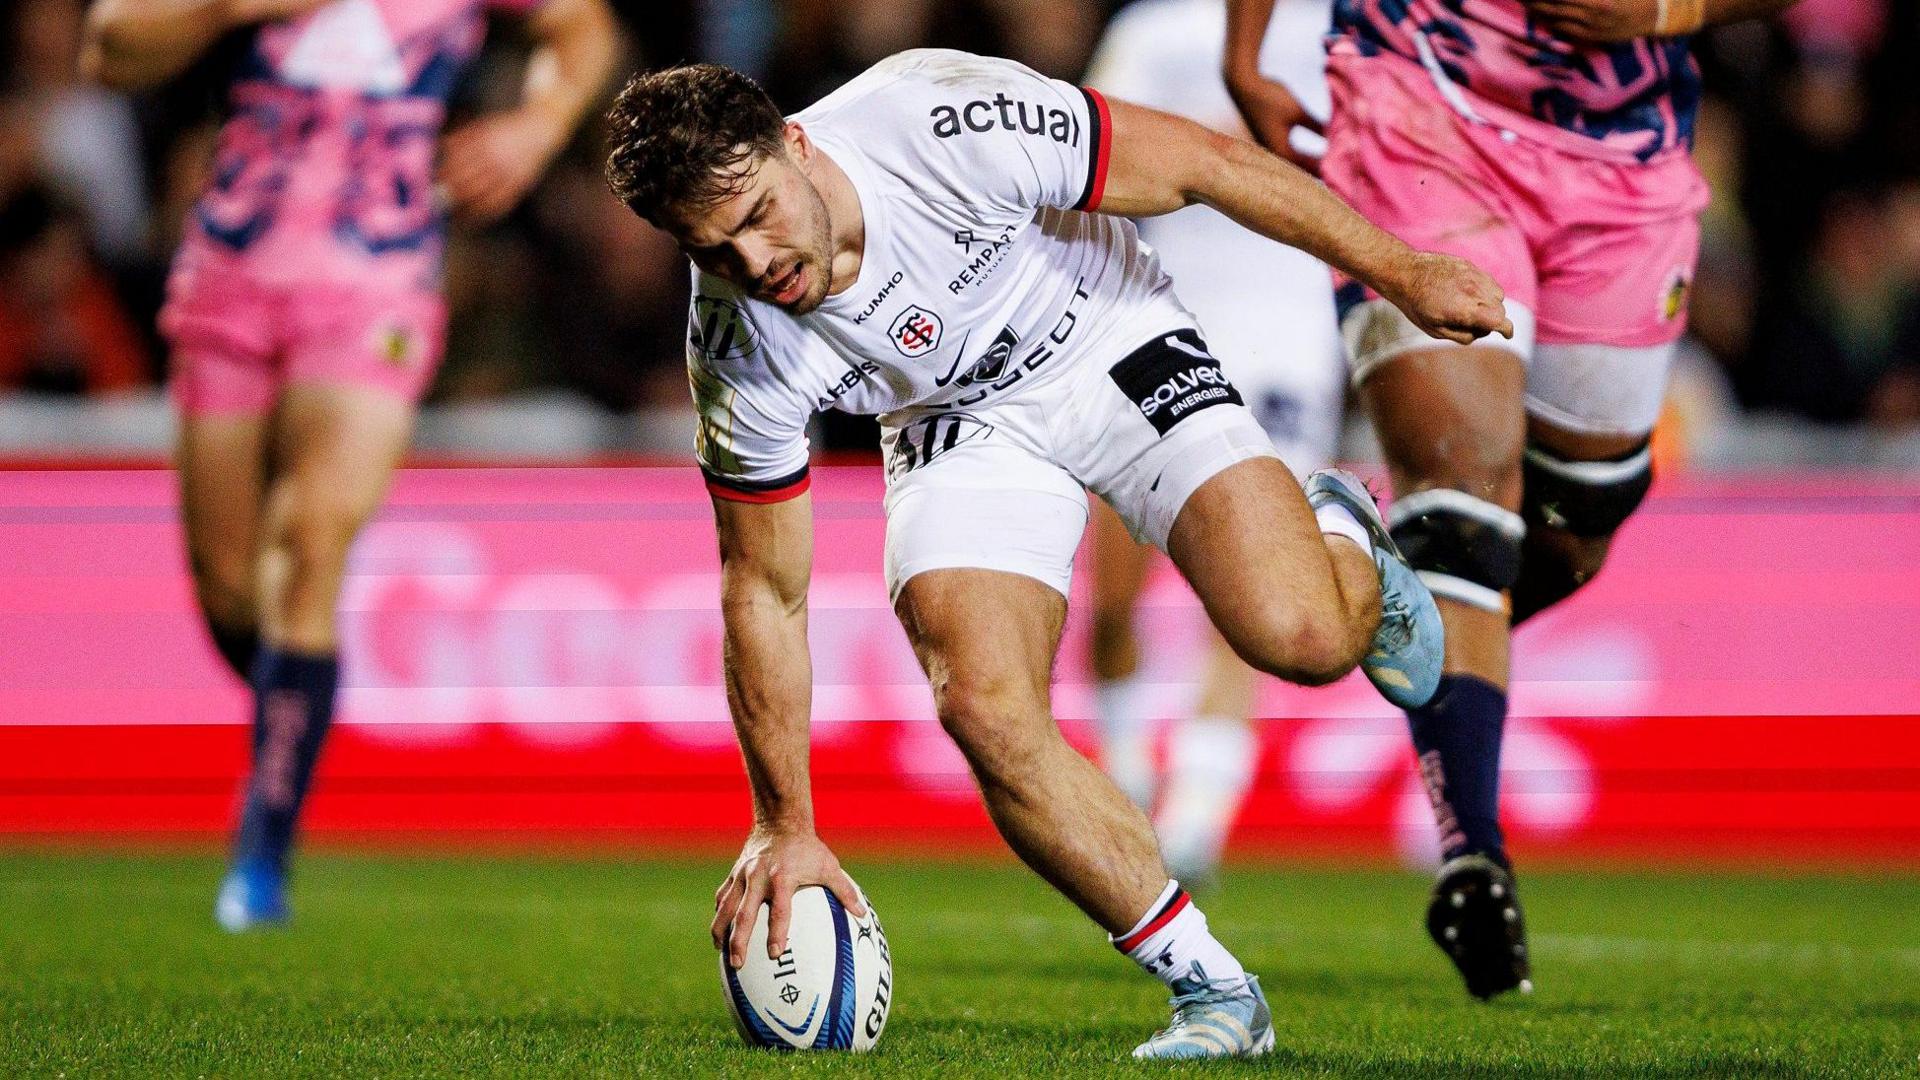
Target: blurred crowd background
568, 317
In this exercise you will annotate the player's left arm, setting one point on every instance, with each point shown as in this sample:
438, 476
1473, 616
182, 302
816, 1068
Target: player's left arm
1160, 162
490, 163
1603, 22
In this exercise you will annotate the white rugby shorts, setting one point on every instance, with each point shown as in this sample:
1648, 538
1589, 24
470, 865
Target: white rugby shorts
1003, 486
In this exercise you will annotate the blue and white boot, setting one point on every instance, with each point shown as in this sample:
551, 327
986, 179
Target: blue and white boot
1212, 1019
254, 895
1404, 660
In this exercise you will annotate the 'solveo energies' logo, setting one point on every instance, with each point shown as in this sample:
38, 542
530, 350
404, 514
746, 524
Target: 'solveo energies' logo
1173, 378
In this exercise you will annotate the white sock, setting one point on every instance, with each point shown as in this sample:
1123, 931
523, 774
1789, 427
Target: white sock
1337, 520
1172, 942
1210, 765
1126, 736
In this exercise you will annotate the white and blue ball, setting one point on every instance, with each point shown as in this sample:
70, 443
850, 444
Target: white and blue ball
830, 990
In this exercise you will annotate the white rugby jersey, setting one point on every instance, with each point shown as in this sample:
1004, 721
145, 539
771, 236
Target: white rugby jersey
984, 273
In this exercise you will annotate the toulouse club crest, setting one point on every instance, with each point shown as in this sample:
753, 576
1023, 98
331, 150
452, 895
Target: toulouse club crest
915, 332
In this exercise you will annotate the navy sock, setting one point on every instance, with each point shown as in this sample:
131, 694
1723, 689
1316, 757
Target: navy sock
238, 645
293, 707
1457, 739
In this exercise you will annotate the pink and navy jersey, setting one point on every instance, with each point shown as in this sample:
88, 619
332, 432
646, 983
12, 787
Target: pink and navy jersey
324, 170
1492, 63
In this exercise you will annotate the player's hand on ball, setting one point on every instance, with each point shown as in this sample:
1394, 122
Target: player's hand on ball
771, 866
488, 164
1451, 298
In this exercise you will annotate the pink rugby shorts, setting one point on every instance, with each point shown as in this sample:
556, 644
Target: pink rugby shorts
1601, 249
237, 342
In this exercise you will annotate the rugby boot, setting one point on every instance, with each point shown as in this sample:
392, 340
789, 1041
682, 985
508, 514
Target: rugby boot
1403, 662
1212, 1019
1476, 920
254, 895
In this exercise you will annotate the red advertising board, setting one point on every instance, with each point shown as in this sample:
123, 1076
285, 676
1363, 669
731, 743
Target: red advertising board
535, 652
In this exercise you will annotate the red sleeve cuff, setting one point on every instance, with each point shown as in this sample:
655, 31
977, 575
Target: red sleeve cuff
791, 487
1099, 149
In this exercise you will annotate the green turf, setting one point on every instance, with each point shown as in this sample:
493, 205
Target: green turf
111, 965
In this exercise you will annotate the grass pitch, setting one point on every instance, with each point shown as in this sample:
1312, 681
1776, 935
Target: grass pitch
400, 966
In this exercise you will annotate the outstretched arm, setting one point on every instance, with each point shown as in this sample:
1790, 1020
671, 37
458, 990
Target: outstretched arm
491, 162
766, 560
137, 44
1163, 162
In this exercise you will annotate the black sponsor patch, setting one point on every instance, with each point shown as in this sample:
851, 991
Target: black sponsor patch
1171, 378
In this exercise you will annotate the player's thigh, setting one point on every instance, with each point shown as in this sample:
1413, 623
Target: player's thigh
986, 639
1118, 565
224, 381
1453, 417
1247, 542
976, 492
335, 447
221, 461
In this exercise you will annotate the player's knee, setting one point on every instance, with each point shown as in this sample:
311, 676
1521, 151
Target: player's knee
1488, 469
1289, 642
313, 533
223, 582
1465, 548
1585, 499
991, 721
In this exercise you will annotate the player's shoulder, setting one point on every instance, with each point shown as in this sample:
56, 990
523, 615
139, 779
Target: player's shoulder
906, 82
732, 335
945, 123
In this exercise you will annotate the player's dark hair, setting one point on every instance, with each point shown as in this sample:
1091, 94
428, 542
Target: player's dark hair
687, 137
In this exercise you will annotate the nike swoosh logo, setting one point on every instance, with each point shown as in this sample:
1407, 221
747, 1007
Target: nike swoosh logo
957, 358
804, 1024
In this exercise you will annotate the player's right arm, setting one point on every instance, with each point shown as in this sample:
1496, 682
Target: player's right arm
766, 558
752, 448
137, 44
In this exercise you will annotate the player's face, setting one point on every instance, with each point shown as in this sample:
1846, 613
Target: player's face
771, 238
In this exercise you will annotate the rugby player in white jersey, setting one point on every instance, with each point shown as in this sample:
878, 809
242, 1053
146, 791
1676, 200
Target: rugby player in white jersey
922, 245
1267, 312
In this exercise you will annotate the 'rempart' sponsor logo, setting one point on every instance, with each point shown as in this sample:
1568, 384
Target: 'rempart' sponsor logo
880, 297
984, 254
1028, 118
1173, 378
915, 331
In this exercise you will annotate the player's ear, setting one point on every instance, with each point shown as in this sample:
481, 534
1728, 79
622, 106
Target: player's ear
800, 149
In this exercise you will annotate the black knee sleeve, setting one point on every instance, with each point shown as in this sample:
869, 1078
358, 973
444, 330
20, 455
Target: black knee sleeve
1589, 499
1466, 548
238, 645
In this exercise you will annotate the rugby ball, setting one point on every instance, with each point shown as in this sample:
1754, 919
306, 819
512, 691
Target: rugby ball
829, 991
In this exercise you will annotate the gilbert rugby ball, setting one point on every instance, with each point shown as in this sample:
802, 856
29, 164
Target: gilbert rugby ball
829, 991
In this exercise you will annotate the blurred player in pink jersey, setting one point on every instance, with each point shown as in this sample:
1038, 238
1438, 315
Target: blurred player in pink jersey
1546, 141
305, 315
